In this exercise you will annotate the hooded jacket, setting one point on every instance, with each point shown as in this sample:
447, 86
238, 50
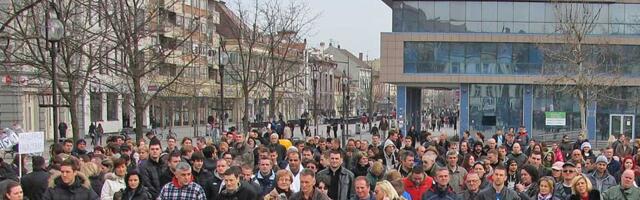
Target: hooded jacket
80, 189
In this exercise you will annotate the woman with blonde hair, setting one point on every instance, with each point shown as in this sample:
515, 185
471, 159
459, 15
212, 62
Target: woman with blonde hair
545, 189
385, 191
284, 179
582, 189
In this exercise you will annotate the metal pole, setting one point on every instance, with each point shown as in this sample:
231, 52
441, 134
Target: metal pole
315, 105
221, 66
54, 92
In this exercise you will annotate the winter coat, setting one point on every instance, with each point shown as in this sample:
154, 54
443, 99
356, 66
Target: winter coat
202, 177
617, 193
372, 179
468, 195
490, 194
97, 181
80, 189
346, 188
360, 170
520, 158
602, 183
438, 193
266, 183
150, 172
317, 195
241, 194
457, 178
112, 184
141, 193
416, 191
593, 195
213, 187
35, 184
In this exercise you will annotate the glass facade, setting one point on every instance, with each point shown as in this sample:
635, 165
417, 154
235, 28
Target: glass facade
508, 58
619, 101
495, 106
551, 99
506, 17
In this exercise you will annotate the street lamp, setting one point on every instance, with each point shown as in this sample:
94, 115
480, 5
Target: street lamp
315, 75
223, 59
53, 32
345, 85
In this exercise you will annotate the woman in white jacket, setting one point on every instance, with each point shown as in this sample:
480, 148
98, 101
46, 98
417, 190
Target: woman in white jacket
114, 182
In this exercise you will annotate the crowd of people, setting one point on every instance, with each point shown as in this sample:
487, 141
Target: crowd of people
391, 166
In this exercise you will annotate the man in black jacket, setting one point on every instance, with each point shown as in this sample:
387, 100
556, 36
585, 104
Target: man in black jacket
34, 184
69, 184
151, 169
234, 188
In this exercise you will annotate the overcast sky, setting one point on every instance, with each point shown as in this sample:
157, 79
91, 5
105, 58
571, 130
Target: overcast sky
354, 24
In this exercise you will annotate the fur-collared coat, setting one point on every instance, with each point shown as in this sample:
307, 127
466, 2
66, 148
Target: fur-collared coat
80, 189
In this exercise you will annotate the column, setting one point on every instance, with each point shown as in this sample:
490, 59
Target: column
464, 109
414, 108
401, 105
527, 112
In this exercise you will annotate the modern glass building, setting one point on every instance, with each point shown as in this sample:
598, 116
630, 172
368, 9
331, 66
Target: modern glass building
494, 53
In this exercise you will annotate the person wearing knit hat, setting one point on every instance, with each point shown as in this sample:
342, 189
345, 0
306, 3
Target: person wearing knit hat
528, 181
601, 178
587, 153
556, 171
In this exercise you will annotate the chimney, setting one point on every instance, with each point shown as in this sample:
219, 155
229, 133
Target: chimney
360, 56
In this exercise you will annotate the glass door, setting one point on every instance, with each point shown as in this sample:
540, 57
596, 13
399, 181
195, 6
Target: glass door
622, 124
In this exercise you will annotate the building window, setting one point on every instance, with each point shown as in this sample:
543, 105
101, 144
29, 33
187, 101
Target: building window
95, 99
112, 106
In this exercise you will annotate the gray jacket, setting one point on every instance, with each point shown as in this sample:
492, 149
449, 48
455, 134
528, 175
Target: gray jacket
346, 189
602, 183
457, 179
490, 194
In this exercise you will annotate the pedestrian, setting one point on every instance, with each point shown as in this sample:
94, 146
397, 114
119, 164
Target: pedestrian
35, 183
69, 184
13, 191
99, 134
582, 189
134, 189
182, 185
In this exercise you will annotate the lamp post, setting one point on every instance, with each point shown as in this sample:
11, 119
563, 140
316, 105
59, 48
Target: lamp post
223, 59
345, 85
53, 32
315, 74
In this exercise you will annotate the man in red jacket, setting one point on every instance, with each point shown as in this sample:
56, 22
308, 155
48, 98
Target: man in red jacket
417, 182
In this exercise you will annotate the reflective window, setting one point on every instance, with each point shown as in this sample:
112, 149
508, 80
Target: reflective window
602, 11
457, 10
474, 13
505, 11
489, 11
492, 106
616, 13
441, 10
549, 99
426, 7
473, 58
489, 27
474, 27
519, 27
521, 11
550, 13
632, 13
536, 12
505, 27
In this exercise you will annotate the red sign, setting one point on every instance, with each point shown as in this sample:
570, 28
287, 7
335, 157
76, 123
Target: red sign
152, 88
7, 80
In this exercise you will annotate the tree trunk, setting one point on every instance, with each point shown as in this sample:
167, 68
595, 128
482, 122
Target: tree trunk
73, 111
272, 103
245, 119
138, 104
582, 101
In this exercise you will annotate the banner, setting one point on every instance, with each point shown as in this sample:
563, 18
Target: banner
555, 118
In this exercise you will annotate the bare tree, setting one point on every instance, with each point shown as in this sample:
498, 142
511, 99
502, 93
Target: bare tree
77, 51
155, 49
575, 67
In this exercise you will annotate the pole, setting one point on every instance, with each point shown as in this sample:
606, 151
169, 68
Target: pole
54, 92
315, 105
221, 70
344, 112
